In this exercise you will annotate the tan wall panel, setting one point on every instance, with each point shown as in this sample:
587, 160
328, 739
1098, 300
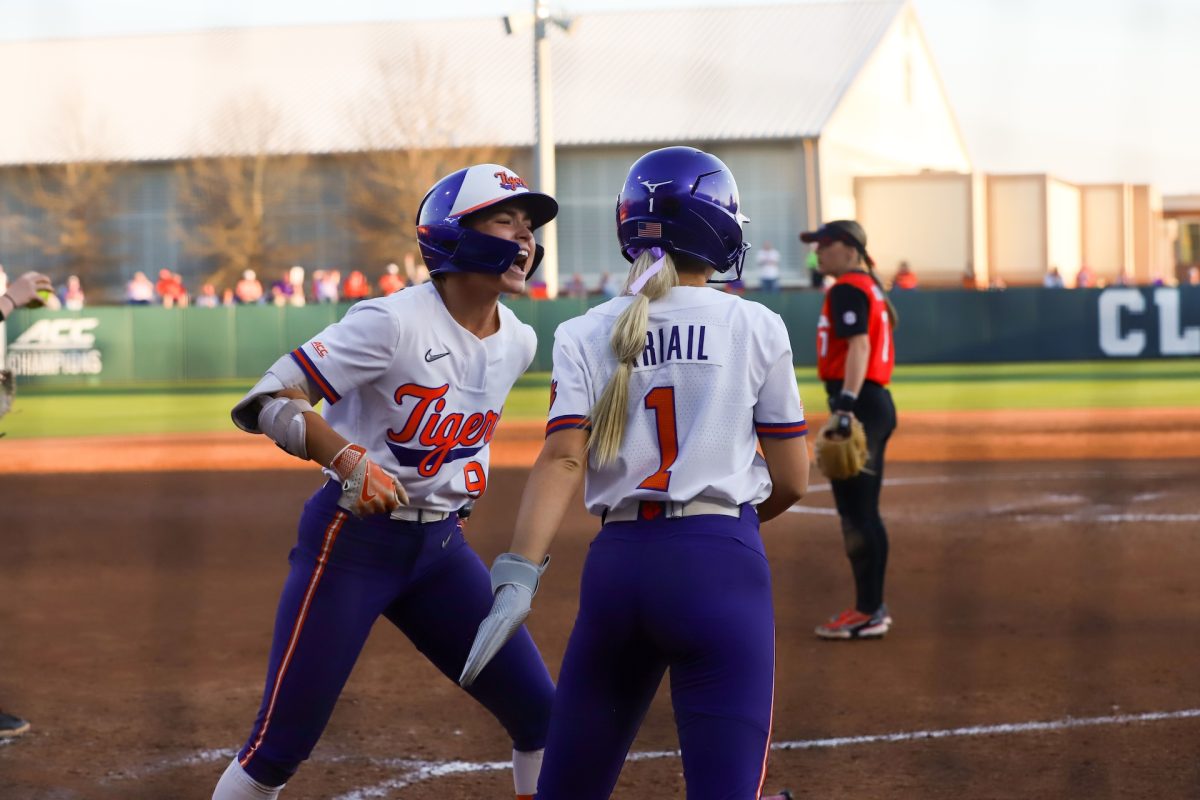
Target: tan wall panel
1017, 228
1144, 230
1107, 240
1140, 228
925, 220
1064, 227
979, 225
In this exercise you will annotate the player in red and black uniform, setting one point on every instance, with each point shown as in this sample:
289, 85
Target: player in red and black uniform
855, 356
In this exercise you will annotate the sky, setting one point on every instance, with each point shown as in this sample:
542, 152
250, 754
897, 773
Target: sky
1087, 90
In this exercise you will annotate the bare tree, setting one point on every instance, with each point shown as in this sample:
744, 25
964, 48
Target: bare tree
67, 205
226, 200
15, 220
74, 201
413, 129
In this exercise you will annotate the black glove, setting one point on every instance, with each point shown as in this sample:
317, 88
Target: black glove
842, 407
841, 425
842, 402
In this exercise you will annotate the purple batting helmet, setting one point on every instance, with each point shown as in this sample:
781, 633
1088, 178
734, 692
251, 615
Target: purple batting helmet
686, 201
449, 246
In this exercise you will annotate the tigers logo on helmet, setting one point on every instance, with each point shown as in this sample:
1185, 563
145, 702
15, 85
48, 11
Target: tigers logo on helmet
510, 182
447, 245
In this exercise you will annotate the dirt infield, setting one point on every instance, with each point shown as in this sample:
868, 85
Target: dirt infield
922, 436
1045, 642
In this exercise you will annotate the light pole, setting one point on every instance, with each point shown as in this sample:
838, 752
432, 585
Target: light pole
543, 125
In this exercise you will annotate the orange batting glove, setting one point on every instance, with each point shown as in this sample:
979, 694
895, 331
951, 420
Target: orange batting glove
366, 488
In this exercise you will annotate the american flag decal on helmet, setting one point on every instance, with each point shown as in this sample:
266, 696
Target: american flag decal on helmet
649, 230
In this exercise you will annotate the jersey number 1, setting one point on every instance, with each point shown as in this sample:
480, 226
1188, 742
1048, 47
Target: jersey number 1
661, 401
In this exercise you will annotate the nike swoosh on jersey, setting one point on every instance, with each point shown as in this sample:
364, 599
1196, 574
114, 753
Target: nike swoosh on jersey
429, 356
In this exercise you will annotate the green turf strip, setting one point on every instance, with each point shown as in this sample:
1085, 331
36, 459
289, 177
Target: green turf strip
201, 407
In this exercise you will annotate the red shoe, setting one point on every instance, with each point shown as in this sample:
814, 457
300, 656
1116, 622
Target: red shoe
853, 624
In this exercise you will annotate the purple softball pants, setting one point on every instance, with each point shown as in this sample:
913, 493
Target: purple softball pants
692, 595
345, 573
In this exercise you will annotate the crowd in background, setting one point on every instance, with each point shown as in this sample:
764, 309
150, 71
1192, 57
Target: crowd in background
297, 286
294, 286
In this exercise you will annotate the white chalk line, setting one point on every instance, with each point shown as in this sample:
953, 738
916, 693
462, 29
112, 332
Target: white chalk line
165, 765
820, 512
934, 480
1106, 519
416, 771
1066, 723
1095, 515
424, 773
434, 770
222, 754
1034, 502
1089, 517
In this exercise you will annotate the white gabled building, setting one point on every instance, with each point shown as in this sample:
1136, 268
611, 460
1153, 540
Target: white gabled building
798, 99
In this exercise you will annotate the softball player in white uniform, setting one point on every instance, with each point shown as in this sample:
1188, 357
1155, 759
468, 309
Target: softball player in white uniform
659, 402
414, 384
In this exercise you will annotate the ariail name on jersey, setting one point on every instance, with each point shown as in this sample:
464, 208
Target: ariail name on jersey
674, 343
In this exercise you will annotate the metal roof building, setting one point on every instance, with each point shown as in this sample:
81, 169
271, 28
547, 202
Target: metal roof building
798, 99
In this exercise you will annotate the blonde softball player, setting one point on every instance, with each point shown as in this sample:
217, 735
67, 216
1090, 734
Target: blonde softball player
413, 384
659, 399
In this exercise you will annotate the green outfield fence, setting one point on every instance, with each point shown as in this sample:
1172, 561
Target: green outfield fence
149, 344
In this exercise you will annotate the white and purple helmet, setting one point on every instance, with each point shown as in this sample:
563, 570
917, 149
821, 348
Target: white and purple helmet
449, 246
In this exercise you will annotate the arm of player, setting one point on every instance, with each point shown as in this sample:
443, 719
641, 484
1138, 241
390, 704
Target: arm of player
780, 424
556, 477
858, 354
366, 487
321, 441
553, 483
787, 463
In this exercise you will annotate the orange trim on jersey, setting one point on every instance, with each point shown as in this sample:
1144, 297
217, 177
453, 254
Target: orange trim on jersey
331, 534
310, 369
781, 430
567, 421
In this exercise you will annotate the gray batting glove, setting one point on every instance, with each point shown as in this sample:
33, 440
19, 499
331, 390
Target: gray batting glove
514, 583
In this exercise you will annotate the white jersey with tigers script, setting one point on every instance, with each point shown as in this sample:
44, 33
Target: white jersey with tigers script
421, 393
715, 375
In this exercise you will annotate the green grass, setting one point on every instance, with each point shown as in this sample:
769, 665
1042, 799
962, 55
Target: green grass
201, 407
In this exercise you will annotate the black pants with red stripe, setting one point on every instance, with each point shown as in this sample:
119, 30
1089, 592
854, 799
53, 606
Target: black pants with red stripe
857, 499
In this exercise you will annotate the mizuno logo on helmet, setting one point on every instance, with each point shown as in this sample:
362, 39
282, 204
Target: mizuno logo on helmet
651, 187
510, 182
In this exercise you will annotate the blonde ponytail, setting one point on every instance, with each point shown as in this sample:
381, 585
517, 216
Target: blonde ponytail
628, 339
